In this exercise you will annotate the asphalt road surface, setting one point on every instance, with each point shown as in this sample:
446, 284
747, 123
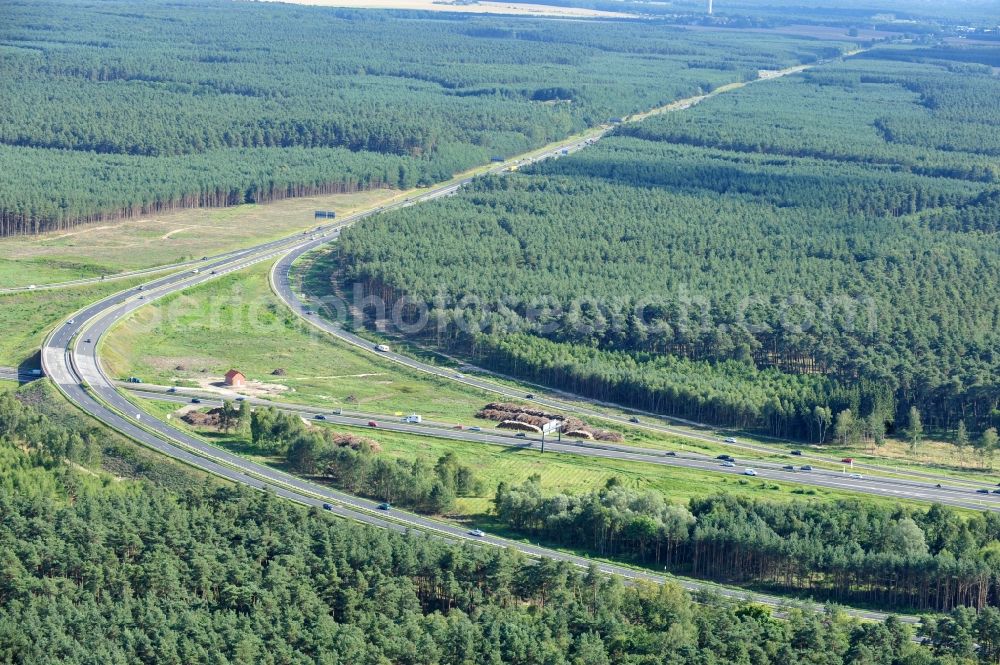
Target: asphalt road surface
14, 374
567, 403
69, 358
897, 488
919, 486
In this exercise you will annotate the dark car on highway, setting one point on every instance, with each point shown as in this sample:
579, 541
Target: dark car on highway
195, 400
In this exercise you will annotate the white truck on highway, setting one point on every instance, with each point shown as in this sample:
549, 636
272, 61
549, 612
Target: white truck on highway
413, 418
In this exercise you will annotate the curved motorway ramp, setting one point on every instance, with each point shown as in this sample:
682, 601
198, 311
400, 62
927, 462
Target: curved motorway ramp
70, 359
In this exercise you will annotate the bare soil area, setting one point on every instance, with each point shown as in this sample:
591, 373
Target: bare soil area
217, 384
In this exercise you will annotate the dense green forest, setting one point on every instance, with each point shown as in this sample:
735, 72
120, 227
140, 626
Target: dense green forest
825, 240
352, 463
921, 111
847, 551
124, 107
911, 17
98, 569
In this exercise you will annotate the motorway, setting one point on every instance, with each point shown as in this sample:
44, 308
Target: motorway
922, 486
949, 490
894, 488
70, 360
476, 377
86, 281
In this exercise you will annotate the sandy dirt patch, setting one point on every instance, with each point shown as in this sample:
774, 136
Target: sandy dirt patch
764, 74
216, 384
474, 8
166, 236
186, 409
91, 229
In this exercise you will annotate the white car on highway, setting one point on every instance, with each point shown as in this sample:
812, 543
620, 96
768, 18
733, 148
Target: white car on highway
749, 472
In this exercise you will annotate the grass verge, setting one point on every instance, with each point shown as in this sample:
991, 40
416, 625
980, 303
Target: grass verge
560, 472
93, 250
194, 337
27, 316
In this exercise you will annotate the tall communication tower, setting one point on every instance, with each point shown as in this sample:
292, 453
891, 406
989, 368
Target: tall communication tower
709, 7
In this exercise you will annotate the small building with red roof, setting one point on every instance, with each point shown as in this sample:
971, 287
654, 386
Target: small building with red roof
235, 379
